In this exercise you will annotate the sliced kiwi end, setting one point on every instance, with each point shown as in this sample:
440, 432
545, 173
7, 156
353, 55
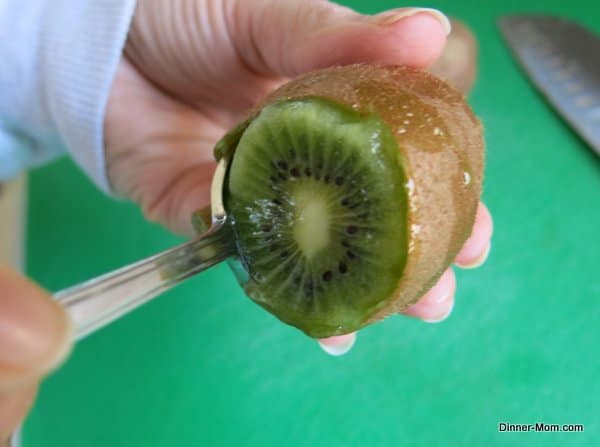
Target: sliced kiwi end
321, 227
351, 190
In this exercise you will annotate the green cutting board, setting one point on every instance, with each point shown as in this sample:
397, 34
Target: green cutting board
203, 366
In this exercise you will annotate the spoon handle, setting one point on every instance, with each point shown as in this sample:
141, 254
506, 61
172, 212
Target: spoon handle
97, 302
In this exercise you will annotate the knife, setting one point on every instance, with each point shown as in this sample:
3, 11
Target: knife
562, 59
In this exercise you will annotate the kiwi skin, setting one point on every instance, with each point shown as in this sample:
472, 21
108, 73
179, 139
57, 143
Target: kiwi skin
441, 148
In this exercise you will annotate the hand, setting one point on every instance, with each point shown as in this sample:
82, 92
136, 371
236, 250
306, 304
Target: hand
192, 68
34, 338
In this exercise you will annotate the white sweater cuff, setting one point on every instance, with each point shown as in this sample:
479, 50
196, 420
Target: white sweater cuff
81, 48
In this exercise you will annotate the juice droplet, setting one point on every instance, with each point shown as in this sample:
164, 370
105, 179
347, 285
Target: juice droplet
415, 229
466, 178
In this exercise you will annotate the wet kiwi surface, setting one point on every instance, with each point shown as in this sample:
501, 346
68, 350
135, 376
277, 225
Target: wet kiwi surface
351, 189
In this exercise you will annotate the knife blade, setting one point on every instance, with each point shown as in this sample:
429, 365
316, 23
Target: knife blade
562, 59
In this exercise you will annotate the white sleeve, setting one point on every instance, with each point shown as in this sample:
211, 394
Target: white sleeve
57, 62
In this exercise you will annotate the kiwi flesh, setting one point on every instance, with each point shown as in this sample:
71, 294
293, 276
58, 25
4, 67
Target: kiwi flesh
351, 190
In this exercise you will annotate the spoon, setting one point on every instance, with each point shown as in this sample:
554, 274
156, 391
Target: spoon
99, 301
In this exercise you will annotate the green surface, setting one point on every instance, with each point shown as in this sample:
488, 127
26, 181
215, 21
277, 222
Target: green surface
204, 366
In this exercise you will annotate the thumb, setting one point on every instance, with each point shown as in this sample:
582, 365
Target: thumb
292, 37
34, 332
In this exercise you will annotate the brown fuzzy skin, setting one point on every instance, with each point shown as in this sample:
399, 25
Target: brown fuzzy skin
458, 63
440, 139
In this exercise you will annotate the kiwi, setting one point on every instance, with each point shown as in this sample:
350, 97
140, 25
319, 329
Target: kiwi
351, 190
457, 64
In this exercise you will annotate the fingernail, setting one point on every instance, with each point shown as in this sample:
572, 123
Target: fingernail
338, 345
34, 330
389, 18
478, 262
441, 317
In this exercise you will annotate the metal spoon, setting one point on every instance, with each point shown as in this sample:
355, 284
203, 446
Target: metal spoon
97, 302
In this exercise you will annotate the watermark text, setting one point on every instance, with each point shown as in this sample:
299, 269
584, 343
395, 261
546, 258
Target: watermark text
539, 427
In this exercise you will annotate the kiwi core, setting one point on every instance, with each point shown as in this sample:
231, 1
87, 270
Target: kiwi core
312, 222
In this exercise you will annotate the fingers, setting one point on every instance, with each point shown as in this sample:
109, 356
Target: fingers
34, 332
14, 405
477, 247
163, 162
34, 338
436, 305
293, 37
